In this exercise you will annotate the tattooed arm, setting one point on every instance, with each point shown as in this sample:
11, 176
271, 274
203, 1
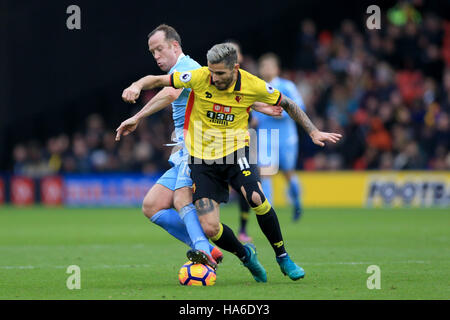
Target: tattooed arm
318, 137
297, 114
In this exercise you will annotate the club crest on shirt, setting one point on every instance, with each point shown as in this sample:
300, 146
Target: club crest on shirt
185, 76
269, 88
238, 98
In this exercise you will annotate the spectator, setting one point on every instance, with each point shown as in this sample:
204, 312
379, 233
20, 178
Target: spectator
20, 157
306, 46
387, 91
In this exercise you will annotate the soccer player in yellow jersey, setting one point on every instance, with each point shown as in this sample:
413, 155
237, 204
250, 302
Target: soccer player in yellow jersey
217, 140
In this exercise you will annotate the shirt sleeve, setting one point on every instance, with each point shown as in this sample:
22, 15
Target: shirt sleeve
185, 79
266, 93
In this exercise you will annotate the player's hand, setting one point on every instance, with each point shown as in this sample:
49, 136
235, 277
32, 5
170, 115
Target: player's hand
131, 93
319, 137
274, 111
126, 127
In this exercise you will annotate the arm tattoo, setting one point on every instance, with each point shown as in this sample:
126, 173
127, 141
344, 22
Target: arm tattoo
204, 206
297, 114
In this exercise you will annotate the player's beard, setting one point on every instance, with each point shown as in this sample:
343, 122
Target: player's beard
224, 85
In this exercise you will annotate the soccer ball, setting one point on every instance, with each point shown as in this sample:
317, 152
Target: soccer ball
196, 275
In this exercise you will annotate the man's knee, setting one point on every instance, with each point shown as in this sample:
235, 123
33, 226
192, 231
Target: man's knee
256, 198
208, 217
151, 205
254, 195
182, 197
211, 228
149, 208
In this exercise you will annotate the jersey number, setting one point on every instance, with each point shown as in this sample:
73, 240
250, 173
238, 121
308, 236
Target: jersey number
243, 163
220, 116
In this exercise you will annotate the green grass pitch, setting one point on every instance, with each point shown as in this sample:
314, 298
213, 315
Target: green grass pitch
124, 256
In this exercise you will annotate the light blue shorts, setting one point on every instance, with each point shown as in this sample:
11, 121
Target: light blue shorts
178, 176
288, 157
286, 160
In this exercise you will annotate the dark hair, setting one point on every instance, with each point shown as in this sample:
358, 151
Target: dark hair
270, 56
169, 32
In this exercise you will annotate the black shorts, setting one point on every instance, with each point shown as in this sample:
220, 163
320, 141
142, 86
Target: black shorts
211, 177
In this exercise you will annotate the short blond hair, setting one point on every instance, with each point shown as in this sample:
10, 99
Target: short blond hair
223, 52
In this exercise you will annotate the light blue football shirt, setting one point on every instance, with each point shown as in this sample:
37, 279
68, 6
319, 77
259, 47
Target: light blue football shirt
184, 63
285, 124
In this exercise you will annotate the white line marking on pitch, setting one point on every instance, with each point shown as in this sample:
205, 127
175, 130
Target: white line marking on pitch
106, 266
356, 263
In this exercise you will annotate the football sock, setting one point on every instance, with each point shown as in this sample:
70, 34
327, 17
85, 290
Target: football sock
243, 218
226, 240
266, 184
244, 214
189, 216
268, 222
169, 220
294, 190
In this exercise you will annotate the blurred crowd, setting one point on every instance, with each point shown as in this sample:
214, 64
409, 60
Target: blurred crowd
387, 91
93, 149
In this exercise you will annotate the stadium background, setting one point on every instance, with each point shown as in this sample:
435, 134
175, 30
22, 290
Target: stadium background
387, 91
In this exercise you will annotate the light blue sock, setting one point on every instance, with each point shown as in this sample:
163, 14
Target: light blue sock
169, 220
189, 215
266, 184
294, 192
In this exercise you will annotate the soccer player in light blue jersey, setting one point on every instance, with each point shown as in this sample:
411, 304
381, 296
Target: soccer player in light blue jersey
287, 143
169, 202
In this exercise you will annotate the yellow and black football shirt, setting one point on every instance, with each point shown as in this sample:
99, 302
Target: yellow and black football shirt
216, 121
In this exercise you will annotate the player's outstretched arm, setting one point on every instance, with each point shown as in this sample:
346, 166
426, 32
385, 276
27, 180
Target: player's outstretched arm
318, 137
131, 93
274, 111
162, 99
